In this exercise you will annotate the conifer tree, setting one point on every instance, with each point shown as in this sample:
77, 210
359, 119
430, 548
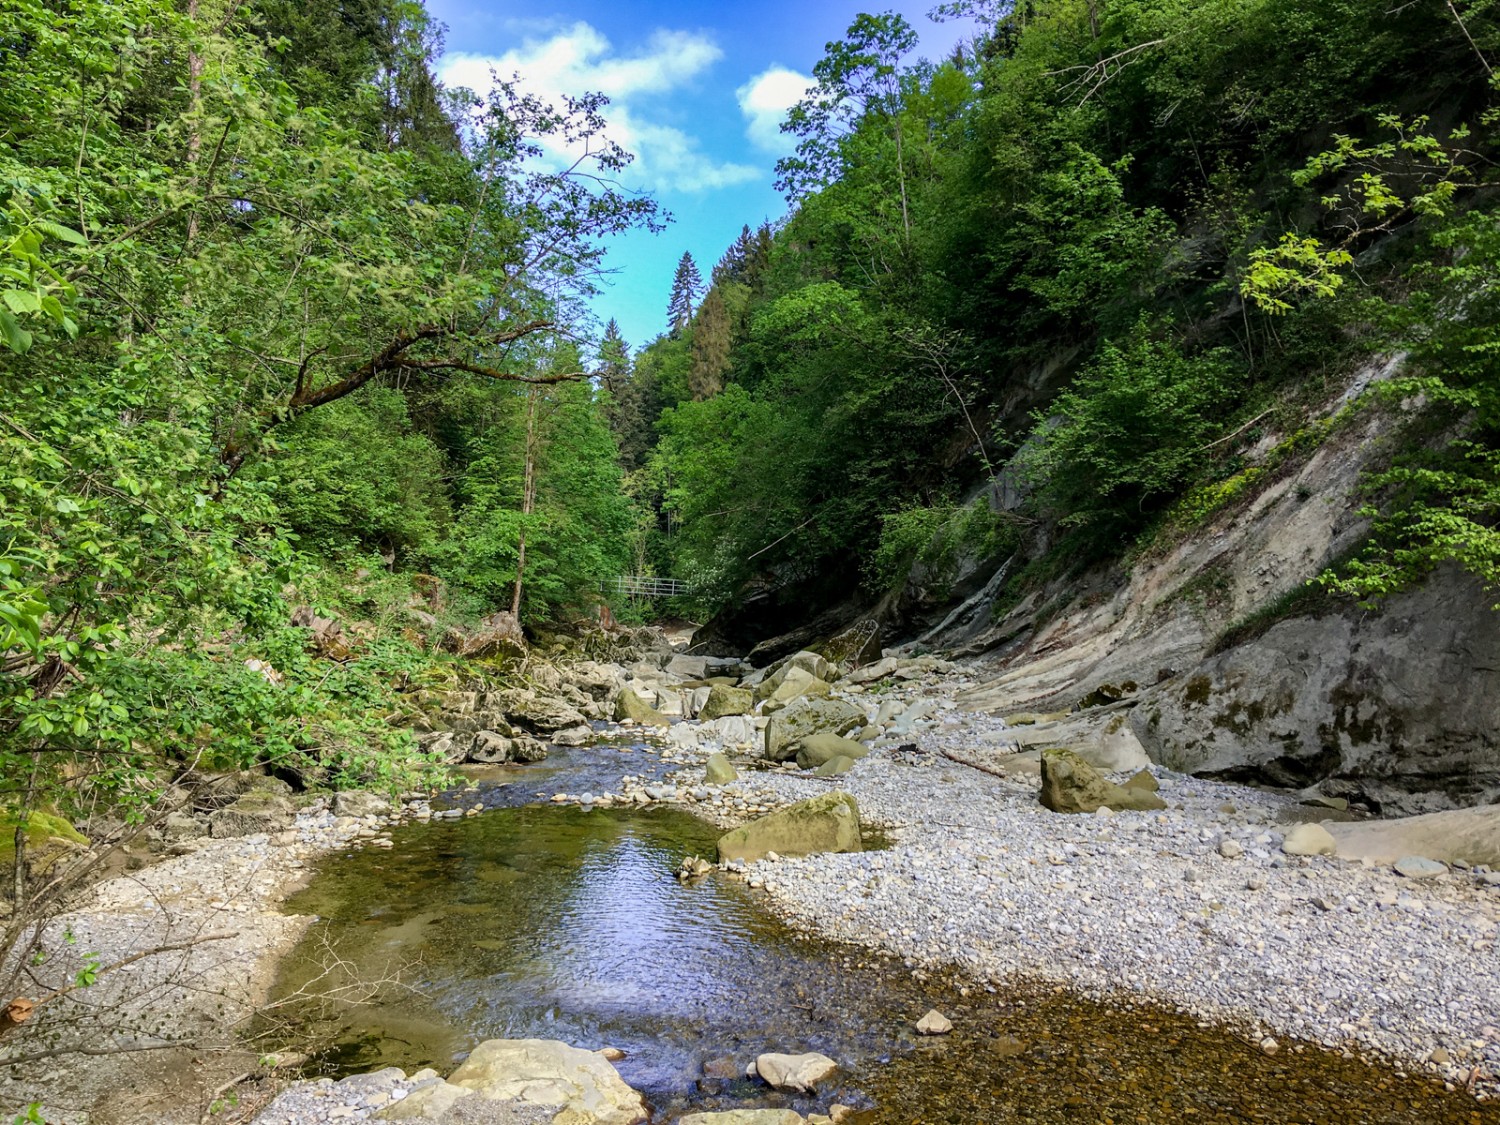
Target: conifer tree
614, 358
711, 345
687, 287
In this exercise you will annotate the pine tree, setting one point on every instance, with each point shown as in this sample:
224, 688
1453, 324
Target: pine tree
711, 343
614, 358
687, 287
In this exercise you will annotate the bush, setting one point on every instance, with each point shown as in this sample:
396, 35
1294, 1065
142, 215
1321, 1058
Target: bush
1128, 434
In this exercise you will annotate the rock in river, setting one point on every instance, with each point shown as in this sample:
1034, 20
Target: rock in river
581, 1085
934, 1023
718, 770
744, 1117
795, 1072
826, 823
724, 701
1071, 785
628, 705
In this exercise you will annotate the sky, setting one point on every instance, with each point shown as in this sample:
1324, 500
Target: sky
697, 90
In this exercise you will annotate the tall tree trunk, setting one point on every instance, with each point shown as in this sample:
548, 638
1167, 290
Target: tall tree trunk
528, 499
195, 106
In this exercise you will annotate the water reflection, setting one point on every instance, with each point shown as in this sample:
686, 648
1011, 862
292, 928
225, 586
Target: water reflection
563, 924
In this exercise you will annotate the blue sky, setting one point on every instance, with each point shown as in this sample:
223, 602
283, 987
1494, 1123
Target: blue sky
697, 92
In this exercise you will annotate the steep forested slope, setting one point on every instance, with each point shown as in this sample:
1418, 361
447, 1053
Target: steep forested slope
282, 323
1095, 256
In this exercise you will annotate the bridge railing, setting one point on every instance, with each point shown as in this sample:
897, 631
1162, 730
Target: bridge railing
650, 586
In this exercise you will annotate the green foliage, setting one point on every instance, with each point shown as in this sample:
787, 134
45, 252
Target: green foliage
262, 285
1122, 440
936, 538
353, 476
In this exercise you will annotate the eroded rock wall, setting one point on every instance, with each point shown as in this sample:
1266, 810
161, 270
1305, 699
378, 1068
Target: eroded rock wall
1224, 670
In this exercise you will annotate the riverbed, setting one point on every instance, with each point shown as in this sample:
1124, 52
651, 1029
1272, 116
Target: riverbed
534, 920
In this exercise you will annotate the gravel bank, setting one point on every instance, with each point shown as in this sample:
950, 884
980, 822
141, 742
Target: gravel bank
982, 878
361, 1096
220, 903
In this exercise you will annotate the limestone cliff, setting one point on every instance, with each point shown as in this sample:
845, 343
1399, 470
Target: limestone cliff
1227, 663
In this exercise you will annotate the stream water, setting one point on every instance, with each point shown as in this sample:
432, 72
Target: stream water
552, 922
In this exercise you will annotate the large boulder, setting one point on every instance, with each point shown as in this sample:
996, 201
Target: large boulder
804, 717
582, 1086
857, 645
260, 810
794, 685
1470, 836
872, 672
630, 706
498, 635
826, 823
818, 749
492, 748
1309, 839
688, 667
49, 840
724, 701
1071, 785
540, 713
361, 803
732, 730
810, 665
835, 767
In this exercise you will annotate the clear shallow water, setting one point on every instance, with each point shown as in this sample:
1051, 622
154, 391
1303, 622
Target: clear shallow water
552, 922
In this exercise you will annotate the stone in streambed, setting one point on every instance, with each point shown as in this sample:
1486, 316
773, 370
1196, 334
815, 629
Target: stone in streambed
724, 701
744, 1117
1416, 867
795, 1072
580, 1085
826, 823
934, 1023
628, 705
260, 810
834, 767
817, 749
718, 770
789, 726
1071, 785
1309, 839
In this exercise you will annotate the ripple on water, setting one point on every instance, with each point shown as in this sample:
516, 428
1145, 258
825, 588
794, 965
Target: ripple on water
563, 924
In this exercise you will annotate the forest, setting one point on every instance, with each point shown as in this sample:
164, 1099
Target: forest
284, 322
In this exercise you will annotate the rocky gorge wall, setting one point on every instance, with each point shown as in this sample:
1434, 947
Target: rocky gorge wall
1214, 652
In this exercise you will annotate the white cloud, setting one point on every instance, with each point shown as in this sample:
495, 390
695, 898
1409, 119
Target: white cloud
579, 59
764, 101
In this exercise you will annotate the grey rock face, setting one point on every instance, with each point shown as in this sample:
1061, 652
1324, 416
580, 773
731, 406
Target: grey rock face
260, 810
1406, 699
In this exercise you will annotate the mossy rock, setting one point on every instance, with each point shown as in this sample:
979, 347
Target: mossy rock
723, 701
826, 823
628, 705
48, 839
818, 749
1071, 785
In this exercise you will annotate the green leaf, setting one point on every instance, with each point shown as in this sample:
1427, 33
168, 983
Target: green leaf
21, 301
58, 231
16, 338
